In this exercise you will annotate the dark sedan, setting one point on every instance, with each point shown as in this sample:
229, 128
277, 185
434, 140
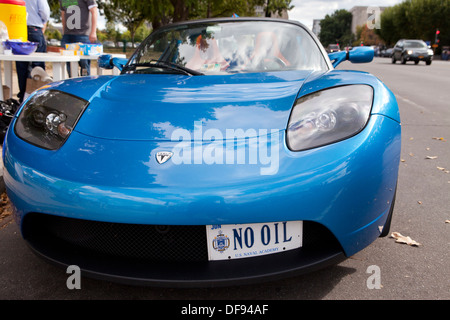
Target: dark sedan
387, 53
412, 50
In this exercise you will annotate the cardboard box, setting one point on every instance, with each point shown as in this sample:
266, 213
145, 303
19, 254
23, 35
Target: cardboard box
73, 46
71, 53
93, 49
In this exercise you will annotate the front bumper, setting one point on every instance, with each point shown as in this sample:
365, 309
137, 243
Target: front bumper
345, 189
418, 57
116, 256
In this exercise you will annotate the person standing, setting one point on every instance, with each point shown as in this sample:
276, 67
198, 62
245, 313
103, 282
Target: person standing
38, 13
79, 19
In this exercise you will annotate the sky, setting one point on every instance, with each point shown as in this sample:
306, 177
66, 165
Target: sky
305, 11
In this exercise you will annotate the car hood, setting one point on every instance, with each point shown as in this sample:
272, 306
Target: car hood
159, 107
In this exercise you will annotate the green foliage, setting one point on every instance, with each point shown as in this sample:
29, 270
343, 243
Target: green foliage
161, 12
133, 13
52, 33
54, 8
416, 19
336, 28
277, 6
221, 8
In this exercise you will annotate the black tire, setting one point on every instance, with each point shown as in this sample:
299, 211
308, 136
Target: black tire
387, 225
428, 62
403, 60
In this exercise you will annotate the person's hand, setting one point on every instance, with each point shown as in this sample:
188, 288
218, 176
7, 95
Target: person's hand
93, 37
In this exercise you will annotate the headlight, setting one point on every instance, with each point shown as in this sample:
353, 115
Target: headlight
329, 116
430, 52
48, 118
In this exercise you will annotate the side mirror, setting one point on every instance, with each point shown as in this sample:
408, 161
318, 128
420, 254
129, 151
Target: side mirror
106, 61
361, 55
356, 55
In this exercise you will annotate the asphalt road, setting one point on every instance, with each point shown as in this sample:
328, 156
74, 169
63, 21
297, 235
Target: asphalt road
406, 272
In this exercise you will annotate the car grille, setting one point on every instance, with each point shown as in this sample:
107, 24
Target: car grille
135, 241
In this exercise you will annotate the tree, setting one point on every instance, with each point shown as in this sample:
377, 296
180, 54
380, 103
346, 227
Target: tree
225, 8
130, 13
416, 19
336, 28
366, 36
162, 12
55, 11
52, 33
387, 30
277, 6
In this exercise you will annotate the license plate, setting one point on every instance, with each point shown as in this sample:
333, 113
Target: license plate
420, 57
236, 241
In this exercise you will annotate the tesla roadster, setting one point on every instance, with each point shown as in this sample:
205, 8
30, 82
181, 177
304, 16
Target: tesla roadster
227, 151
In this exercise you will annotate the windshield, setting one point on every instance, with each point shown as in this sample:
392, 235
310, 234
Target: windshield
415, 44
227, 47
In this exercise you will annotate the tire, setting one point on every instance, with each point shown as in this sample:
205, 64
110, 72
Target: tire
387, 225
403, 60
428, 62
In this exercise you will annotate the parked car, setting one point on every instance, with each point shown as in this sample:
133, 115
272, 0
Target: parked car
333, 48
227, 151
54, 42
387, 53
109, 44
412, 50
376, 51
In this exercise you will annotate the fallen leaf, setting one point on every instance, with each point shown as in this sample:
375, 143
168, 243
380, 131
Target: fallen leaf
399, 238
439, 138
419, 202
402, 160
431, 157
447, 221
440, 168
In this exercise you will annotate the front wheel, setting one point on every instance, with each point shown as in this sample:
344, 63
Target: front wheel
387, 225
428, 62
403, 60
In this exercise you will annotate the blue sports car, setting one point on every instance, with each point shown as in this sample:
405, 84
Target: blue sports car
227, 151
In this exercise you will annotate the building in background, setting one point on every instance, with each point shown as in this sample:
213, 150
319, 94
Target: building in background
361, 16
316, 26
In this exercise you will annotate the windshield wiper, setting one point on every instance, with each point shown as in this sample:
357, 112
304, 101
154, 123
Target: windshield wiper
163, 65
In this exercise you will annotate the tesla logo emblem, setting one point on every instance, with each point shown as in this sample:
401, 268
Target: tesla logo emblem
163, 156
